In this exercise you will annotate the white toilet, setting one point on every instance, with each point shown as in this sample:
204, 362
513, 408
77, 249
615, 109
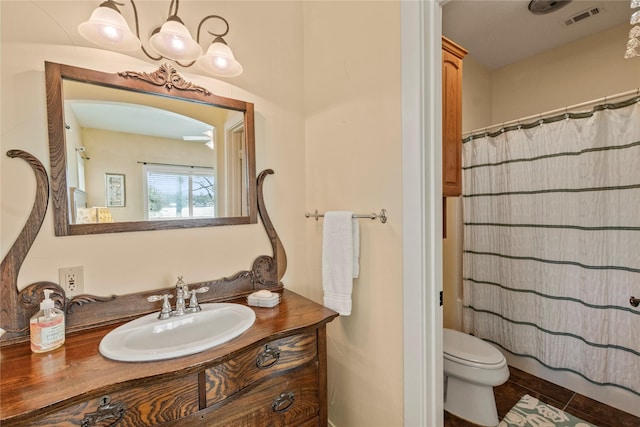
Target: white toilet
472, 368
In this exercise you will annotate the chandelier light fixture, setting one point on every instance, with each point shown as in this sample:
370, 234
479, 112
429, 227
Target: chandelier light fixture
107, 28
633, 45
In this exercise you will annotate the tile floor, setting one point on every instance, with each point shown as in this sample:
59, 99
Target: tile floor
521, 383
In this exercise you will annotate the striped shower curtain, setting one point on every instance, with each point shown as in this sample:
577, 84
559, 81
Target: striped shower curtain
552, 241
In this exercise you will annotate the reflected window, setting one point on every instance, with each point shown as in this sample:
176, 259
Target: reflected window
179, 192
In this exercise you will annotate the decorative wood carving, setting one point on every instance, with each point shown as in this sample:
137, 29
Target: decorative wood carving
14, 317
89, 311
81, 300
166, 76
31, 296
269, 270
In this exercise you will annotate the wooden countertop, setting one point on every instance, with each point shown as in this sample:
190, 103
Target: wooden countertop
32, 382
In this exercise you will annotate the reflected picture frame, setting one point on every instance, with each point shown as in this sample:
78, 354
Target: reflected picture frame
114, 190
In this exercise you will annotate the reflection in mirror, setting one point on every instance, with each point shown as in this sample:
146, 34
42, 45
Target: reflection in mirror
134, 160
150, 158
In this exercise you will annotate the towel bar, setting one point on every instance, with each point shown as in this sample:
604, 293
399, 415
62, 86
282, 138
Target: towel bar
373, 216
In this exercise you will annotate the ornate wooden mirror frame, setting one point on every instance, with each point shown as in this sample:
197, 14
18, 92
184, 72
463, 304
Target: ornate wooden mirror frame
165, 82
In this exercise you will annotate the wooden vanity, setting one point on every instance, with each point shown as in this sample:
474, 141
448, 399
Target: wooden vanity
273, 374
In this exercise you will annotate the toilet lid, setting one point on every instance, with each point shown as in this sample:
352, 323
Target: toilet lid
463, 346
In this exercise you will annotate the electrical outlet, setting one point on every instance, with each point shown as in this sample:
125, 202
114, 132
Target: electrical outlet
72, 280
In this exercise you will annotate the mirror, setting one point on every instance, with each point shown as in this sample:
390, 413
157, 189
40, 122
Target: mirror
146, 151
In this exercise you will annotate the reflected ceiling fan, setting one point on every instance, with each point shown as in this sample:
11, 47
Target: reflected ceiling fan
208, 137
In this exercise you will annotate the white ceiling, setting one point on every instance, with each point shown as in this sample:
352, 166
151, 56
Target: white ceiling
499, 33
138, 119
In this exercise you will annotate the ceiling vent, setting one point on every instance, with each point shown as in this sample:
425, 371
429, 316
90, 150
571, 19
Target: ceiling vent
581, 16
543, 7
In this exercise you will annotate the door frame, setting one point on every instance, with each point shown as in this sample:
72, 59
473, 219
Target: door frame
421, 31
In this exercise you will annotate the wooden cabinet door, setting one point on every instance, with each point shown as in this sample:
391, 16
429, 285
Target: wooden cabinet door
452, 55
145, 405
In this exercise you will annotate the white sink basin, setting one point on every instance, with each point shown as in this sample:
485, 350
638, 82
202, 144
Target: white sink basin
148, 338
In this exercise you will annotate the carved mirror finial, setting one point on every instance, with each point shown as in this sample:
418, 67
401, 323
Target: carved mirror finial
166, 76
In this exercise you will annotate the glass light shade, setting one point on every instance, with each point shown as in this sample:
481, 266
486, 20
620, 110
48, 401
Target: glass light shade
174, 41
634, 32
631, 53
219, 61
635, 18
635, 3
107, 28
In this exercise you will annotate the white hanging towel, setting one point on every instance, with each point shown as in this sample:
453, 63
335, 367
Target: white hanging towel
340, 259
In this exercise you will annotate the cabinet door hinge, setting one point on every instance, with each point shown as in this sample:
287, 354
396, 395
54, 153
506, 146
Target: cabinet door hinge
440, 298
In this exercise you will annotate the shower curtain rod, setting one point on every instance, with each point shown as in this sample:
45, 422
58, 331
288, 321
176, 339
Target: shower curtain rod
553, 112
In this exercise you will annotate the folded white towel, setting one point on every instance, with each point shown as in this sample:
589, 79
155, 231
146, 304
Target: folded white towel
340, 253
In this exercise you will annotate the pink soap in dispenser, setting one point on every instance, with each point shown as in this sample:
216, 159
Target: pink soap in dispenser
47, 326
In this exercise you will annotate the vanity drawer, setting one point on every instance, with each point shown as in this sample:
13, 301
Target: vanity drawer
144, 405
226, 379
284, 401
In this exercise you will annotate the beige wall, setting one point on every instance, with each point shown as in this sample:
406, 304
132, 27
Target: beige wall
353, 159
452, 265
113, 262
476, 94
325, 81
581, 71
587, 69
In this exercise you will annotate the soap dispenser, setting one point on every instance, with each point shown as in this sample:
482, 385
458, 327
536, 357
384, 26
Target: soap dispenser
47, 326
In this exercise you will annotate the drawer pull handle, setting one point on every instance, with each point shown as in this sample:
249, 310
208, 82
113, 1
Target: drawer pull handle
106, 411
268, 357
283, 402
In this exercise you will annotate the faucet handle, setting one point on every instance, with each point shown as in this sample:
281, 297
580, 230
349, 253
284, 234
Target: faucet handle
154, 298
165, 312
193, 301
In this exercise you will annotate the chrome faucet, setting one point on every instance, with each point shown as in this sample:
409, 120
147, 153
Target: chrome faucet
182, 290
182, 293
